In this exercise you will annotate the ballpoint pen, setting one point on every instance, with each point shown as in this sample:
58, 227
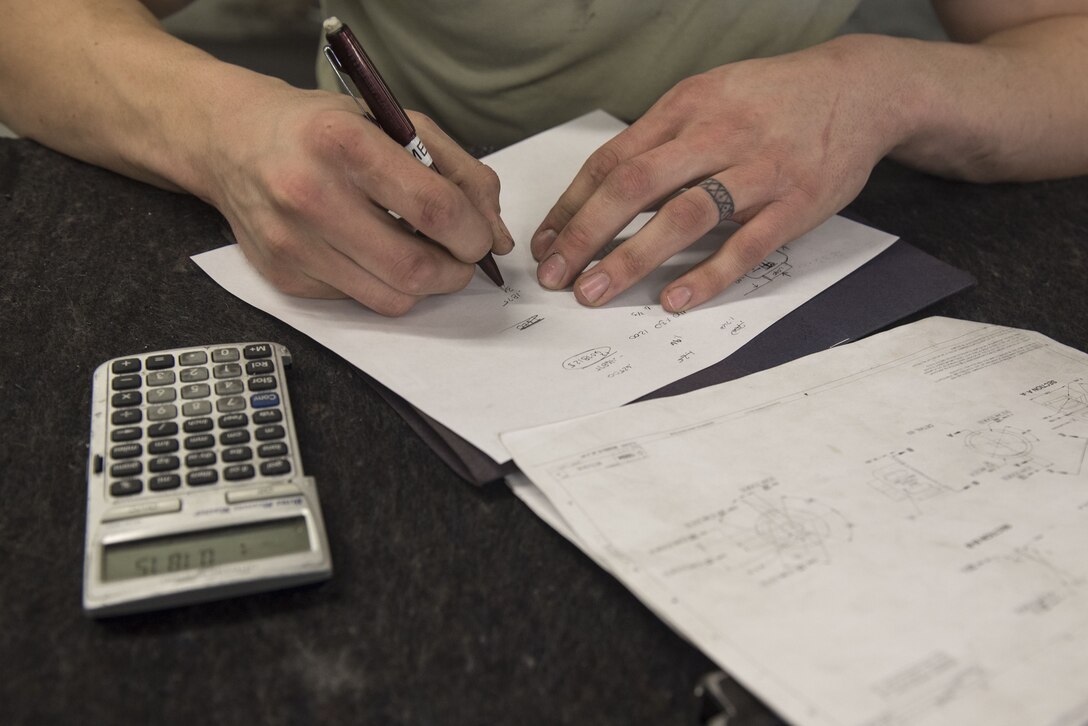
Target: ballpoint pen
345, 54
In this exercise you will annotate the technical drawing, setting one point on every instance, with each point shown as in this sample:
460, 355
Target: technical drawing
1068, 400
767, 539
1004, 443
1023, 455
916, 692
777, 264
900, 481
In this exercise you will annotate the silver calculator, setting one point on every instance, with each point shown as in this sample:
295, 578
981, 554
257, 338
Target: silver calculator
195, 487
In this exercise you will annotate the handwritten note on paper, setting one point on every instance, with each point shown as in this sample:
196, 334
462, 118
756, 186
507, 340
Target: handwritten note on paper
487, 360
899, 525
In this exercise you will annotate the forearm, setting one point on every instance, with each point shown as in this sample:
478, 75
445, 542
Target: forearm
101, 81
1011, 107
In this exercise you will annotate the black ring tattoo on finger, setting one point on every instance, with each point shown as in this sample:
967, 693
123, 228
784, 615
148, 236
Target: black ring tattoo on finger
721, 196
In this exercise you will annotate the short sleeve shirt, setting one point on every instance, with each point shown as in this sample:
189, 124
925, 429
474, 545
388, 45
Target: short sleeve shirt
492, 72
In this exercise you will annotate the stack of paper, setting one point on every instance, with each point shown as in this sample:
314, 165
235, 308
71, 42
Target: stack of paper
890, 532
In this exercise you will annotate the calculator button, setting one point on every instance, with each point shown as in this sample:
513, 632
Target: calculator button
265, 433
129, 434
262, 383
196, 390
126, 382
160, 361
126, 468
264, 400
163, 463
162, 412
162, 446
227, 370
193, 375
96, 463
224, 355
265, 491
126, 416
257, 350
126, 451
161, 395
193, 358
200, 458
126, 487
163, 482
235, 436
143, 509
160, 378
197, 425
125, 365
276, 467
229, 388
237, 453
233, 420
260, 367
275, 448
236, 472
202, 477
126, 398
196, 408
199, 441
267, 416
230, 403
163, 428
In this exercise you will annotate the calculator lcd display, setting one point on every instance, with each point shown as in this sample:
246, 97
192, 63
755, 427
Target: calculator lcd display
209, 548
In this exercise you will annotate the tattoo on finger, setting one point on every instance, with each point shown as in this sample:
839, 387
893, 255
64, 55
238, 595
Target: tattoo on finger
721, 196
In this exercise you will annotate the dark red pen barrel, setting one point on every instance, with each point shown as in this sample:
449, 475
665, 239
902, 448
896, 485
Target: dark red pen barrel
383, 104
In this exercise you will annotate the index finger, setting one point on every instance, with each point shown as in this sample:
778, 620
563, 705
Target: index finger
425, 199
632, 141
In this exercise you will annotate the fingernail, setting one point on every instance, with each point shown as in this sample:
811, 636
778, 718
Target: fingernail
551, 271
506, 232
593, 287
542, 242
503, 242
677, 298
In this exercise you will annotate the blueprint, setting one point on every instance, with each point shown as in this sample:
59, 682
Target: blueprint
890, 532
486, 360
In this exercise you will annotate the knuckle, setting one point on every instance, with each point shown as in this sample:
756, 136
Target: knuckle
392, 304
601, 163
632, 263
578, 239
437, 207
688, 215
325, 134
488, 179
632, 180
414, 273
750, 251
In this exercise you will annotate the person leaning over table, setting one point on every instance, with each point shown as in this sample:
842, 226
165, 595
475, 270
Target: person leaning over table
751, 104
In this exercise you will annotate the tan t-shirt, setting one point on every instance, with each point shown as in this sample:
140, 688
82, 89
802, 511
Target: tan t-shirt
492, 73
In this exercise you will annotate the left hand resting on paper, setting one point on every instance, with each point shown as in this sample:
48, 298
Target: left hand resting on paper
780, 144
792, 139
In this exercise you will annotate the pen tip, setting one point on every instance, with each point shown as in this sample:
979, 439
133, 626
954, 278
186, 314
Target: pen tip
331, 24
491, 269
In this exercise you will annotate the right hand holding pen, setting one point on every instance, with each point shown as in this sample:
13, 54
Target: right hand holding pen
305, 186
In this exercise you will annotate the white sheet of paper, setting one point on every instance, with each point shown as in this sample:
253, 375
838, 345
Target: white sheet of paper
487, 360
890, 532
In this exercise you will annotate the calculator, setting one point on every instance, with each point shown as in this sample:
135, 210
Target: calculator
195, 487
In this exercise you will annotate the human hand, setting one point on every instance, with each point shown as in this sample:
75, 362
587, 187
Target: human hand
305, 181
778, 145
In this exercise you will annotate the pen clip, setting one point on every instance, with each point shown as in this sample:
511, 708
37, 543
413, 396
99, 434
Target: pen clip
334, 63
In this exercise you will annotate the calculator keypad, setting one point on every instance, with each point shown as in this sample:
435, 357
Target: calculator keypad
195, 418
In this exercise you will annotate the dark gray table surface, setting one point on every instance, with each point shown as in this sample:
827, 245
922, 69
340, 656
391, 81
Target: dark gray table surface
450, 604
